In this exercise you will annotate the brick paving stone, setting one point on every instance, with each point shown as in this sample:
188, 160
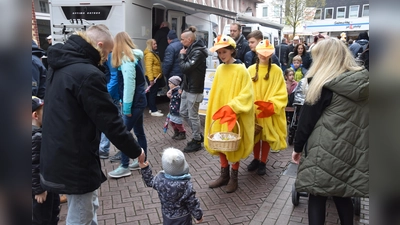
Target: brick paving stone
258, 200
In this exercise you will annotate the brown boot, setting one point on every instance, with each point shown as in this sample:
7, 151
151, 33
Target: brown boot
233, 182
222, 180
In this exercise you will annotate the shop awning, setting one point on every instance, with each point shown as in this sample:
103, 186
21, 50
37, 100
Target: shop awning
192, 8
250, 19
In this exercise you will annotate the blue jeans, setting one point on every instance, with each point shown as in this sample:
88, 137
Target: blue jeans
135, 122
82, 209
151, 100
189, 111
104, 142
283, 67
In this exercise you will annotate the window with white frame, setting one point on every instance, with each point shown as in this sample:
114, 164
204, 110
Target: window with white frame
328, 13
44, 6
353, 11
317, 15
365, 10
277, 10
341, 12
265, 11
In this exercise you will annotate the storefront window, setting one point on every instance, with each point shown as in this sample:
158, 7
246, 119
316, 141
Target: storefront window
353, 12
341, 12
317, 15
366, 10
329, 13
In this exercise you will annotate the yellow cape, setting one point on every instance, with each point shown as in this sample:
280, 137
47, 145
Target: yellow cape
274, 90
232, 86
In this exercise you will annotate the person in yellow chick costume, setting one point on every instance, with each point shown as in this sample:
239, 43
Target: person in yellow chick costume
270, 99
231, 99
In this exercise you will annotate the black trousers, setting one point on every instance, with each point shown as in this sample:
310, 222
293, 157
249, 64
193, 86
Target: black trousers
317, 207
46, 213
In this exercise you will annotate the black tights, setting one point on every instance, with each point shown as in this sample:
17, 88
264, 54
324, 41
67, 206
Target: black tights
317, 207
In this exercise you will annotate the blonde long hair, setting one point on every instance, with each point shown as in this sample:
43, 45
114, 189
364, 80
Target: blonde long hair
123, 46
331, 58
149, 44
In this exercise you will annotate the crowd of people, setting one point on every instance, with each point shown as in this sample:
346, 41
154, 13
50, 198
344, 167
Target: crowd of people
97, 90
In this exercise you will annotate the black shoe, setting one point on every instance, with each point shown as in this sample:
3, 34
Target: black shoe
262, 169
181, 136
253, 165
176, 133
201, 138
192, 146
103, 155
116, 157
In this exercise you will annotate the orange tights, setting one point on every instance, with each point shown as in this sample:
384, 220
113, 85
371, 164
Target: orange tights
225, 163
264, 147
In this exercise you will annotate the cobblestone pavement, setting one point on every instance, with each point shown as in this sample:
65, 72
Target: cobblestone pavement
258, 200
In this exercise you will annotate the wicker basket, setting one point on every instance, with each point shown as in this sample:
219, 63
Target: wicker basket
224, 145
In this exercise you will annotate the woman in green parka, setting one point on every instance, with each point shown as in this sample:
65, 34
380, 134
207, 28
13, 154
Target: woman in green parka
332, 133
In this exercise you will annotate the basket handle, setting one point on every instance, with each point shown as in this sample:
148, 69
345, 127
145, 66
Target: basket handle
209, 129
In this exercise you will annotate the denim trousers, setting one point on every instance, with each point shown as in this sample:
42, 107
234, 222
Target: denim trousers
151, 100
104, 142
46, 212
189, 111
82, 209
135, 122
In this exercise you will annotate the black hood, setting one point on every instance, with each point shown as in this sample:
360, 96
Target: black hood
37, 51
199, 45
75, 50
363, 35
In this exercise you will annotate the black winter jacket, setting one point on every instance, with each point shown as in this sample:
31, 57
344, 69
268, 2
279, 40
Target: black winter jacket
36, 143
193, 66
78, 108
162, 42
38, 72
242, 47
170, 65
284, 50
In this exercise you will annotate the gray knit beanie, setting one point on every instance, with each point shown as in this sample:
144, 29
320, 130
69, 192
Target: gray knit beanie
176, 80
174, 163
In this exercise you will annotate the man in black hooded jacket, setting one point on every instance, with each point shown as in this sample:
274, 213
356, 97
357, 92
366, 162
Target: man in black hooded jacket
78, 108
193, 65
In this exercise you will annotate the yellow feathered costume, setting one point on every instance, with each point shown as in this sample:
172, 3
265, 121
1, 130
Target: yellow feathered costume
272, 90
232, 86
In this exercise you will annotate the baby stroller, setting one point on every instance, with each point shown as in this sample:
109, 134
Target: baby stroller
296, 100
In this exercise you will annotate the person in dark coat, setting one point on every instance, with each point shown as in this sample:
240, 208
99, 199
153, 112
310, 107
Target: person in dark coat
170, 65
175, 190
282, 52
331, 144
193, 65
242, 46
45, 205
78, 108
360, 45
300, 50
161, 39
38, 71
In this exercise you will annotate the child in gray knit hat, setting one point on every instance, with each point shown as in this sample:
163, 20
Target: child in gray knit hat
176, 119
175, 190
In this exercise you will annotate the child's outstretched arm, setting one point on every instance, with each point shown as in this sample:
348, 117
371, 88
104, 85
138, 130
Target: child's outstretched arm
147, 173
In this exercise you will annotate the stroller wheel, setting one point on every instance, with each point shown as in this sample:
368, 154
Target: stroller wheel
357, 205
295, 196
